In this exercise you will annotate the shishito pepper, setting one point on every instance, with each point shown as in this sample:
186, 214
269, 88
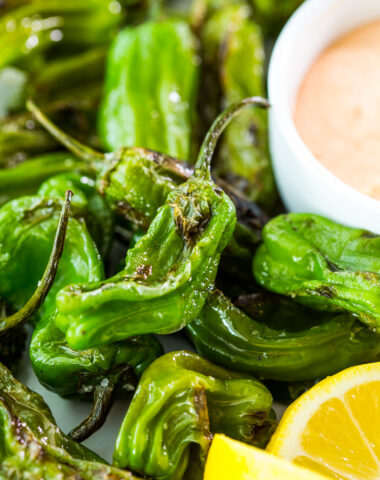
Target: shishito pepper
151, 86
274, 338
136, 182
181, 401
233, 67
272, 14
169, 272
97, 372
32, 445
321, 264
12, 336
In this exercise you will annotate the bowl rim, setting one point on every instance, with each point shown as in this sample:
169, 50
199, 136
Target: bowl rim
282, 49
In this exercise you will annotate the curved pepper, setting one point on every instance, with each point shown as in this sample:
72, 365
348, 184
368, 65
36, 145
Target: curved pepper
233, 59
321, 264
278, 339
136, 182
167, 275
32, 445
150, 91
89, 204
183, 400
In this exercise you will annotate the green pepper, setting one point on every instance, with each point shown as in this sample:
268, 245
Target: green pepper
12, 334
32, 445
26, 178
167, 275
88, 202
183, 400
136, 182
274, 338
97, 372
150, 90
233, 68
321, 264
36, 27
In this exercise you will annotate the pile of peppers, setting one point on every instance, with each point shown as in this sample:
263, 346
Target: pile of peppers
137, 199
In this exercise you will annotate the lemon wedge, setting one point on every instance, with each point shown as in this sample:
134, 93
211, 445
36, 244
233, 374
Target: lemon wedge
334, 428
232, 460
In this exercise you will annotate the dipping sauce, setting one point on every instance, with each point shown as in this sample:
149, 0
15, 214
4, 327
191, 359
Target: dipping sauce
338, 109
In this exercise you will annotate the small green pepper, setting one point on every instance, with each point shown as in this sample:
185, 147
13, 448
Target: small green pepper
32, 445
274, 338
233, 68
150, 90
12, 334
321, 264
167, 275
136, 182
97, 372
183, 400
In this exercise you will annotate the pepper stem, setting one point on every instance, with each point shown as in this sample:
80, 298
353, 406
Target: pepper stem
87, 154
203, 165
104, 396
47, 280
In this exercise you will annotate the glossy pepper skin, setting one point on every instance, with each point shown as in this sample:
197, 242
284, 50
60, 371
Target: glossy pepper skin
321, 264
135, 183
26, 234
12, 334
26, 178
233, 68
150, 90
183, 400
88, 203
167, 275
33, 447
274, 338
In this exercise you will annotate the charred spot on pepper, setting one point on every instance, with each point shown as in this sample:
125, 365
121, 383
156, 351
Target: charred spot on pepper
326, 291
143, 271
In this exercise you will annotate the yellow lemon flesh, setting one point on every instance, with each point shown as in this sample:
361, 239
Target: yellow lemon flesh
334, 428
232, 460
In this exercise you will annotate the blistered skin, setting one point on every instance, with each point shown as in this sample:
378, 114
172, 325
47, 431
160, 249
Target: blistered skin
181, 401
275, 338
33, 447
321, 264
150, 91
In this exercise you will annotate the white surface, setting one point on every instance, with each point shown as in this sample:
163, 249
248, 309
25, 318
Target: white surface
305, 184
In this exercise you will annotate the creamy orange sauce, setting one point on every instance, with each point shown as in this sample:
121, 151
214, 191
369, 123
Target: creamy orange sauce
338, 109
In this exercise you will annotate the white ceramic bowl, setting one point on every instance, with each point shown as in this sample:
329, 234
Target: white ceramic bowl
304, 183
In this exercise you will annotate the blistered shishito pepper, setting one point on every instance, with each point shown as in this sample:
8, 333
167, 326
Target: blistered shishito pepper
274, 338
97, 372
321, 264
88, 203
34, 447
136, 182
26, 234
181, 401
233, 59
12, 336
26, 178
151, 87
169, 272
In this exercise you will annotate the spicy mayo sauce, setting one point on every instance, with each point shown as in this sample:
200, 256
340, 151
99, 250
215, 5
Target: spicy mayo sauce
338, 109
